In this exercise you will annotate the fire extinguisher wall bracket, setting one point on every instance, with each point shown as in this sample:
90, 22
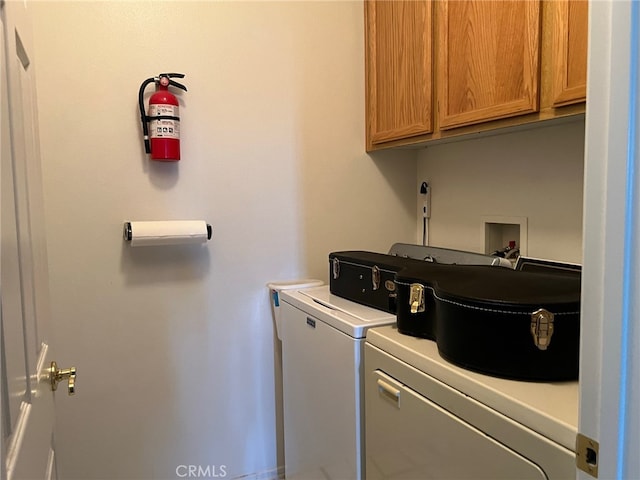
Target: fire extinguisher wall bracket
161, 127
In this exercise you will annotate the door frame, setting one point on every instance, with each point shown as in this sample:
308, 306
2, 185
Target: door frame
609, 377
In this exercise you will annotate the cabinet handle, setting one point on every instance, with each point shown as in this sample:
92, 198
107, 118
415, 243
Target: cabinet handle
389, 390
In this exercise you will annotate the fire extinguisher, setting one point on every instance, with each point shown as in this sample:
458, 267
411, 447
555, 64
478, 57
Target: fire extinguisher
164, 141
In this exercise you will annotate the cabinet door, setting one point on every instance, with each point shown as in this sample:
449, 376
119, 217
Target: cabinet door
569, 51
398, 69
488, 63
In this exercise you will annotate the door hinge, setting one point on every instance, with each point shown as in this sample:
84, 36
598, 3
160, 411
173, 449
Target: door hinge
587, 451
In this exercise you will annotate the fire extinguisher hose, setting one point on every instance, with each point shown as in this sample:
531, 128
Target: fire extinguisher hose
143, 115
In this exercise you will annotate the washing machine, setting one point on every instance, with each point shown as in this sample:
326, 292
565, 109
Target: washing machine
323, 340
428, 419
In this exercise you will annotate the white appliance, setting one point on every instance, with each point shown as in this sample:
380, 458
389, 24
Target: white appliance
428, 419
322, 370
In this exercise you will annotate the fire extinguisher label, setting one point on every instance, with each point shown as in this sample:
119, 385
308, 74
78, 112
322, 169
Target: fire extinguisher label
164, 128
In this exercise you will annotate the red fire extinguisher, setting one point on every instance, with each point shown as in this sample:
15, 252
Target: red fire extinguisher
163, 142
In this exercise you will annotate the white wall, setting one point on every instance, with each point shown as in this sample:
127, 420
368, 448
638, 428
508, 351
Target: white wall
537, 174
174, 346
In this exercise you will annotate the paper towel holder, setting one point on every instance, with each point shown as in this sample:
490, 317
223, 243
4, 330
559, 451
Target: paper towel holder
128, 235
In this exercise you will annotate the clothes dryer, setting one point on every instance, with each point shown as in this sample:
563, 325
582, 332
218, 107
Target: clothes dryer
429, 419
322, 369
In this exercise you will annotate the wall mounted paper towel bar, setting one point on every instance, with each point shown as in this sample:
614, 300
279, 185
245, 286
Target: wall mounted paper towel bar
177, 232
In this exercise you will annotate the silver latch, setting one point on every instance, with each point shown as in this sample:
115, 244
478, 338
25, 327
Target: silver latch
375, 277
416, 298
335, 267
542, 328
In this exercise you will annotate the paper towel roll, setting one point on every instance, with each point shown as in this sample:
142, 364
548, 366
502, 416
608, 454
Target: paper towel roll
178, 232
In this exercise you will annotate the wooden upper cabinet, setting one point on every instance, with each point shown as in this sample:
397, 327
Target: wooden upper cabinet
440, 69
398, 43
488, 60
569, 51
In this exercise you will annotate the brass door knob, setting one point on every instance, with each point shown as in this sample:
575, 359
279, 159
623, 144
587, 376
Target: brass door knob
57, 375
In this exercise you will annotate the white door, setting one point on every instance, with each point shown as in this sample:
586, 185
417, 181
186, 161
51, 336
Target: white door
27, 398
